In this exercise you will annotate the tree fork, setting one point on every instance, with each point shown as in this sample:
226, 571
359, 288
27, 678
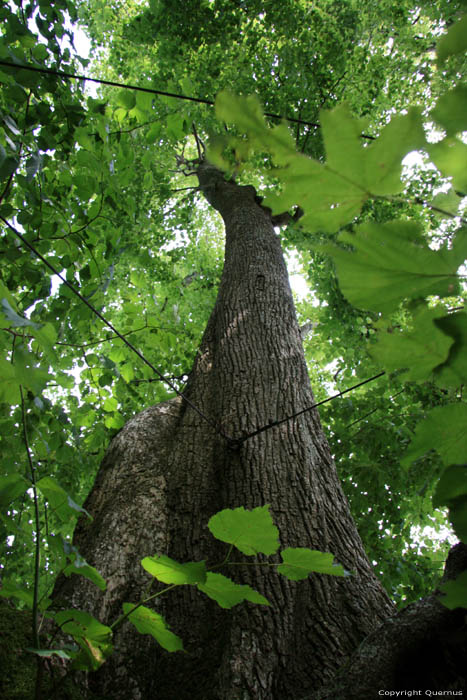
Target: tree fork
167, 472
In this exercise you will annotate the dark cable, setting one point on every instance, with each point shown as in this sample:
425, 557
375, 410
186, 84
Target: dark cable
112, 83
304, 410
235, 443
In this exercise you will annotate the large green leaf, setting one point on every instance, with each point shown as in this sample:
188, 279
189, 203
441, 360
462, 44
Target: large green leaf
299, 562
94, 638
227, 593
418, 351
82, 568
450, 156
60, 503
455, 592
377, 168
10, 590
12, 486
451, 491
452, 485
454, 42
453, 372
392, 262
443, 430
147, 621
451, 110
331, 194
251, 531
168, 570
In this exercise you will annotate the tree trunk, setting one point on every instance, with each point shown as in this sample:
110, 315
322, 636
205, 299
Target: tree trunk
168, 471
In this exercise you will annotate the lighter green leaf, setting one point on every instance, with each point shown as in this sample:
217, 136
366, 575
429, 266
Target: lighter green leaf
444, 430
227, 593
418, 351
251, 531
377, 168
455, 592
392, 262
299, 562
168, 570
147, 621
12, 486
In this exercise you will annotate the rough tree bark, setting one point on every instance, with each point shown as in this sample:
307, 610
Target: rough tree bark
168, 471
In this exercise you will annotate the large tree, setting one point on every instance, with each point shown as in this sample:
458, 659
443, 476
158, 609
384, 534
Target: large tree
177, 463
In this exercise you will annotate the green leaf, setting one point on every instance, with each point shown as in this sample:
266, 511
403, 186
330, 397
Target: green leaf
32, 166
46, 336
333, 193
452, 485
21, 373
10, 590
451, 110
442, 430
227, 593
82, 568
451, 491
15, 319
48, 653
12, 486
458, 517
170, 571
453, 372
93, 637
454, 42
251, 531
147, 621
299, 562
126, 99
40, 52
417, 351
59, 501
377, 168
79, 623
455, 592
450, 157
392, 262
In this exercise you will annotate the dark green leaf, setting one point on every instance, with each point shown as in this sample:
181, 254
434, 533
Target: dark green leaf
455, 592
443, 430
11, 487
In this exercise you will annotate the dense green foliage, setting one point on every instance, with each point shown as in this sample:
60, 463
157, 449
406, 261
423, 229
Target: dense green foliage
94, 185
